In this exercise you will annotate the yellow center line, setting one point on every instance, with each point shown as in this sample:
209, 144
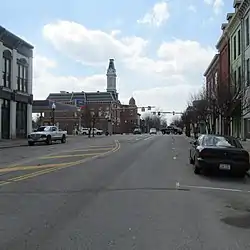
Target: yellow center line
58, 167
66, 156
88, 149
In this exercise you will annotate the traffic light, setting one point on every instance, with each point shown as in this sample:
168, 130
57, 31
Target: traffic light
173, 113
159, 113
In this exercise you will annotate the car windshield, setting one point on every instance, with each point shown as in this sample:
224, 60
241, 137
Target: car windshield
221, 141
43, 128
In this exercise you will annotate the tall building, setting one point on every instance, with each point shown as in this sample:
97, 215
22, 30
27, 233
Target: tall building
111, 113
16, 63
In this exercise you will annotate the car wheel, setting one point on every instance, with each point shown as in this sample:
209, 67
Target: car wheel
49, 140
63, 139
197, 170
31, 143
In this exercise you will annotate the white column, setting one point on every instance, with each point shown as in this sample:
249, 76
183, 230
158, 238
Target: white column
14, 70
1, 101
12, 119
1, 62
30, 76
29, 119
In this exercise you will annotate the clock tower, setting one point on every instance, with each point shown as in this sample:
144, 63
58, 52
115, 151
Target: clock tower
111, 78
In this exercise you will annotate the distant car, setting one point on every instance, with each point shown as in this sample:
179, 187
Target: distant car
167, 130
219, 153
137, 131
153, 131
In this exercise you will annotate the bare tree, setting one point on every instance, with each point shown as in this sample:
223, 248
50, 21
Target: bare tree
152, 121
230, 100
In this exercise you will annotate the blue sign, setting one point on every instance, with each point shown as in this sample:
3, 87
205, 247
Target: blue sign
80, 102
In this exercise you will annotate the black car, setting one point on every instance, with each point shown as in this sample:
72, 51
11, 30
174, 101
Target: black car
219, 153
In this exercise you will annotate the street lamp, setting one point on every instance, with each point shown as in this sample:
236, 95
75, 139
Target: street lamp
53, 113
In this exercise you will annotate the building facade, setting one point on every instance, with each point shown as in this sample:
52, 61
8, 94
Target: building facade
211, 75
223, 47
109, 111
16, 66
245, 27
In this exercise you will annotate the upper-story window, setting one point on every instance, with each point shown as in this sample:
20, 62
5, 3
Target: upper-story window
7, 58
22, 75
234, 47
239, 42
247, 32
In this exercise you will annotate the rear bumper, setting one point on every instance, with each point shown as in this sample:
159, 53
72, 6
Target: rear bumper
214, 166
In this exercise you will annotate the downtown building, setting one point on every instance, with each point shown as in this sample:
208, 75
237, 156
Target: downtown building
16, 62
231, 68
69, 113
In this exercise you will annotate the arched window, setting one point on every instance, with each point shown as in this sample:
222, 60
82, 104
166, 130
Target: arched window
22, 76
6, 74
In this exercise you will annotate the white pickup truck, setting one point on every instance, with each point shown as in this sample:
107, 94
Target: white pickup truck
47, 134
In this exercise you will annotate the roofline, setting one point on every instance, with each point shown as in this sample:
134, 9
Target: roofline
230, 23
17, 37
215, 58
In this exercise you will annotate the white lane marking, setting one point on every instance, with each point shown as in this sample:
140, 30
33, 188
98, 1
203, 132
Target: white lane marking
212, 188
148, 138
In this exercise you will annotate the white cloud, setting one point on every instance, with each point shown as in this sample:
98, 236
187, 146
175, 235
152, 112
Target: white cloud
44, 80
216, 5
91, 46
192, 8
157, 16
164, 81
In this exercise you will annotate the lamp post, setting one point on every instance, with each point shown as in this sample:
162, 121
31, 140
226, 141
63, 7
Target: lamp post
53, 113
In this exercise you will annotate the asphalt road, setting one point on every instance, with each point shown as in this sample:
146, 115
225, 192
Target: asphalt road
119, 192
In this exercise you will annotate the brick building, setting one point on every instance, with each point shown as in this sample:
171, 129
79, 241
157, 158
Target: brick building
105, 104
211, 75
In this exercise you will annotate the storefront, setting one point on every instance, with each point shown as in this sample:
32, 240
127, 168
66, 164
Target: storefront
5, 119
21, 120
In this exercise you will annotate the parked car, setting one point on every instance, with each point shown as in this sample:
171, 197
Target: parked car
47, 134
137, 131
219, 153
85, 131
153, 131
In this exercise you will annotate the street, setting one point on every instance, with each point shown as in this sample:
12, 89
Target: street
118, 192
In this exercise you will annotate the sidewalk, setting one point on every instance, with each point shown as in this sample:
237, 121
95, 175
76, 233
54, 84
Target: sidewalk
13, 143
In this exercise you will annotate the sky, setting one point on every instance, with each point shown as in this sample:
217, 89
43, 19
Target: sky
161, 48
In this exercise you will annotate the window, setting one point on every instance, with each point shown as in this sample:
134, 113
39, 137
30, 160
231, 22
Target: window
6, 72
22, 78
239, 77
239, 42
247, 32
248, 72
234, 47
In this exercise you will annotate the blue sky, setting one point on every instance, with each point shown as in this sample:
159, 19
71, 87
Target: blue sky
184, 23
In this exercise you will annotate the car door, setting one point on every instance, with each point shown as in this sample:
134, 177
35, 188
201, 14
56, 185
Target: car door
54, 133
